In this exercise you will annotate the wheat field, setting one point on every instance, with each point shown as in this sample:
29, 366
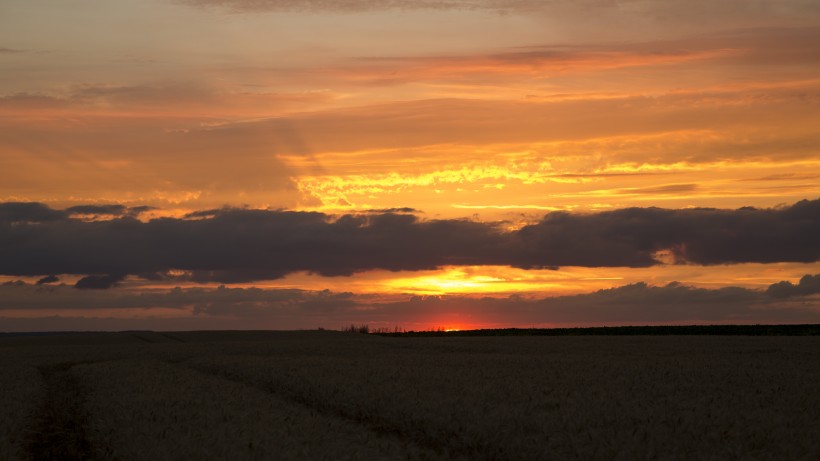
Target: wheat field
330, 395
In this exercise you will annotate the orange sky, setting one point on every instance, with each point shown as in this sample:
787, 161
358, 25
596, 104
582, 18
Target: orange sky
492, 111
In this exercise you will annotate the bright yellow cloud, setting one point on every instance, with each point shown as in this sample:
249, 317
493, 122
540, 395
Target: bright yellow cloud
587, 174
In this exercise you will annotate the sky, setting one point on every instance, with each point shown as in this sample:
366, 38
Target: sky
255, 164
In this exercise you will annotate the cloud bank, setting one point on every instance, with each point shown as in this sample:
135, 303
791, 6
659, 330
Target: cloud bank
239, 245
222, 307
808, 285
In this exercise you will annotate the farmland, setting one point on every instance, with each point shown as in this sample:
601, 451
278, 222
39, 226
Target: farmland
331, 395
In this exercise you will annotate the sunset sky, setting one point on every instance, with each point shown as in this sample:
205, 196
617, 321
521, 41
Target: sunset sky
221, 164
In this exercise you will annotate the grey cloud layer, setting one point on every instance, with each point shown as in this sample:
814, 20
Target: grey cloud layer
808, 285
237, 245
634, 303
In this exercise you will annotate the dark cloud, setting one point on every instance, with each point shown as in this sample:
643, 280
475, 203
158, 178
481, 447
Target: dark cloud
153, 276
15, 283
28, 212
641, 302
634, 236
211, 301
115, 209
238, 245
808, 285
108, 210
99, 282
136, 210
254, 302
48, 279
36, 213
394, 210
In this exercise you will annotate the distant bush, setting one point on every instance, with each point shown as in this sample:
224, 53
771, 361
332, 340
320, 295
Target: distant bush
364, 328
387, 330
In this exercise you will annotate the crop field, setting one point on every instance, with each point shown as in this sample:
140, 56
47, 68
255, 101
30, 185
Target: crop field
330, 395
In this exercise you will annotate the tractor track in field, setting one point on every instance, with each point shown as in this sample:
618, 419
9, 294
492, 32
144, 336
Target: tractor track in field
377, 426
58, 429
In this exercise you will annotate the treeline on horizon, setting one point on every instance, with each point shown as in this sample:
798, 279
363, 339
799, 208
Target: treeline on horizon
726, 330
632, 330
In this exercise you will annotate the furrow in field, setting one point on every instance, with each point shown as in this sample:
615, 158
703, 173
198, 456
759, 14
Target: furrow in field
435, 405
607, 398
22, 392
59, 427
148, 409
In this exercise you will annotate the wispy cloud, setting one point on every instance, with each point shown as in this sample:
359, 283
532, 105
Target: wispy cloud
170, 101
363, 5
656, 9
484, 70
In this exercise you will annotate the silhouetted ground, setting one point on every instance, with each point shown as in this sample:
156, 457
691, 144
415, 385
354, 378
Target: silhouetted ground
324, 395
720, 330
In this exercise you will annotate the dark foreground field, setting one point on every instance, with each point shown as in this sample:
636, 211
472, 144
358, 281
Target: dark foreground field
330, 395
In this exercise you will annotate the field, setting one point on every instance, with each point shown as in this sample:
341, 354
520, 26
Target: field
331, 395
